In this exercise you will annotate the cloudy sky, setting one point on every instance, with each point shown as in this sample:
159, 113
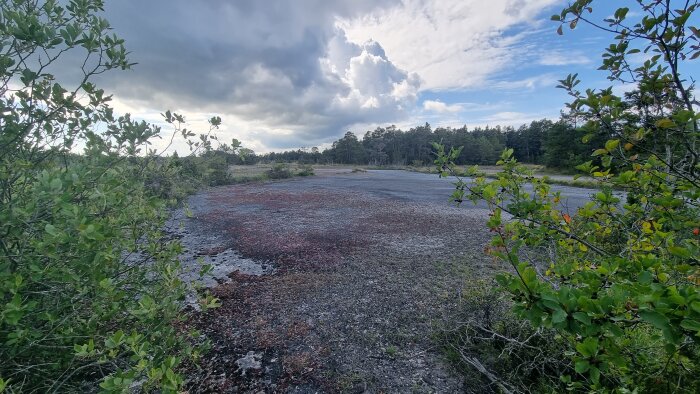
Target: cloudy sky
299, 73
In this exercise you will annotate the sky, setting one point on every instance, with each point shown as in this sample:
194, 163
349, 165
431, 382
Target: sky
285, 74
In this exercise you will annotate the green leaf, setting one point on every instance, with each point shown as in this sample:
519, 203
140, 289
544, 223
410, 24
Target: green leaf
588, 348
582, 366
695, 305
594, 374
50, 229
559, 316
679, 251
586, 167
582, 317
56, 184
489, 192
691, 324
665, 123
620, 13
115, 340
529, 277
611, 144
656, 319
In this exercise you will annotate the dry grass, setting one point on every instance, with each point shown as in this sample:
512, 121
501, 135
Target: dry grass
257, 172
549, 176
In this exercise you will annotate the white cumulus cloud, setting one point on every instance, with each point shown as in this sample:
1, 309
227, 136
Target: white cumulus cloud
451, 43
440, 107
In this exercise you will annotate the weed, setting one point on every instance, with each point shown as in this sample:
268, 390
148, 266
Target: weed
305, 170
279, 171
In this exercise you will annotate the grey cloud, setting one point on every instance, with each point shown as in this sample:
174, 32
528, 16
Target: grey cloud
282, 64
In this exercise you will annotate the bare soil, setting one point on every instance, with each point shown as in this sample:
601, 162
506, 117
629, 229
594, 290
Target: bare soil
333, 283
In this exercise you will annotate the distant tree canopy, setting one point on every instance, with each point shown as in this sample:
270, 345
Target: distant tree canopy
545, 142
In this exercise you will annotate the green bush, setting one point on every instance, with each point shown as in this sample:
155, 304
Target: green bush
215, 171
305, 170
620, 280
279, 171
89, 286
168, 179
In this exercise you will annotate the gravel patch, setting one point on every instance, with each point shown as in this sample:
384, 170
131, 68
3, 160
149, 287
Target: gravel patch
203, 244
330, 287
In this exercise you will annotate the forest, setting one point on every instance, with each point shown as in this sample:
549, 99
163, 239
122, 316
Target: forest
553, 144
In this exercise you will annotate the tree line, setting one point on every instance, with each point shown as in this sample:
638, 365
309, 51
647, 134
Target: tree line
553, 144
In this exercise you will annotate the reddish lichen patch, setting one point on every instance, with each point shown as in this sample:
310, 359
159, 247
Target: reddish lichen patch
298, 365
253, 315
292, 230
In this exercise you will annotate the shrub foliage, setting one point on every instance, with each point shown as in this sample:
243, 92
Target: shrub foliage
89, 289
279, 171
619, 279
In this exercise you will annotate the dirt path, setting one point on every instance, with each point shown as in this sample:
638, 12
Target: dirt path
338, 287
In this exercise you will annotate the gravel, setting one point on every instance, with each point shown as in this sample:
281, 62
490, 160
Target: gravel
333, 283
